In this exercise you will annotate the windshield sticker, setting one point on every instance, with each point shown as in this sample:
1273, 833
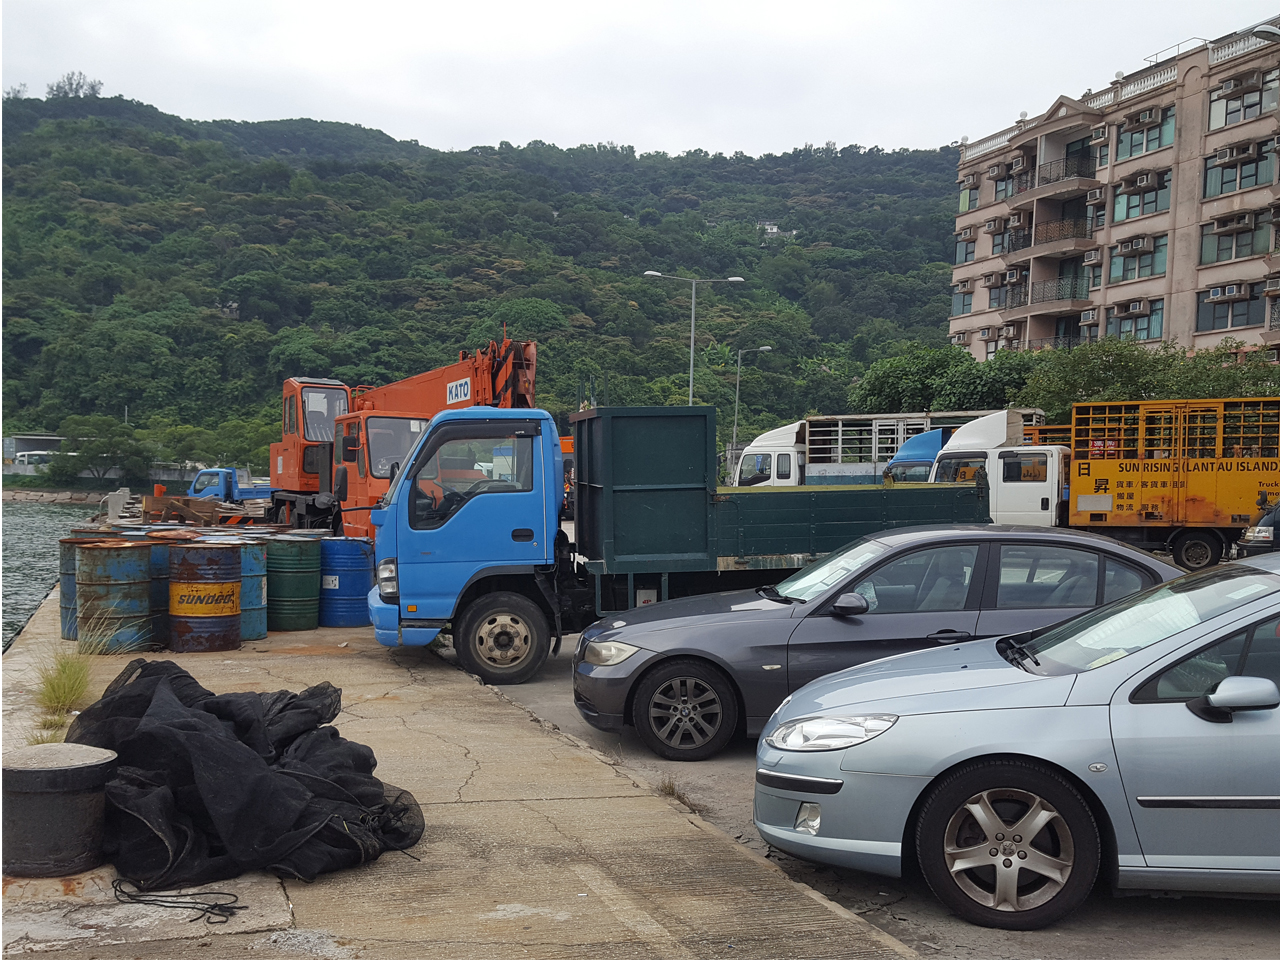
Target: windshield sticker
1246, 591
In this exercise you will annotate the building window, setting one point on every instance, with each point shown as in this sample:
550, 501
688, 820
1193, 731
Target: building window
999, 243
997, 298
1102, 155
1219, 315
1243, 175
1004, 188
961, 303
991, 348
1095, 276
1095, 216
1144, 141
1130, 205
1215, 248
968, 199
1226, 109
1132, 266
965, 250
1150, 327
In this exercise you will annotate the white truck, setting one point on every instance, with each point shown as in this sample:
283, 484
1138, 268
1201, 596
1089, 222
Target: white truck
850, 449
1028, 483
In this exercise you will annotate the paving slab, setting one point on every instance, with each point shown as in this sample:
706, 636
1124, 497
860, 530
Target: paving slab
535, 846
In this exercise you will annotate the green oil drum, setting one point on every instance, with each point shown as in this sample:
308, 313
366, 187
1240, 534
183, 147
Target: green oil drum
293, 583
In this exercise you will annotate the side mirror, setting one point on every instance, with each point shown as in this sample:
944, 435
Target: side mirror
350, 448
850, 605
395, 468
340, 481
1236, 693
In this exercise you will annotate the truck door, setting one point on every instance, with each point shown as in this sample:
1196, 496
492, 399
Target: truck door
1026, 487
474, 501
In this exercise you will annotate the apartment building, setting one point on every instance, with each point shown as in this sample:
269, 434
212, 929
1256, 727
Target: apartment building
1147, 210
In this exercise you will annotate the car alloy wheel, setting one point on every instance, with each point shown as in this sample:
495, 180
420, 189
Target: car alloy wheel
685, 710
1008, 843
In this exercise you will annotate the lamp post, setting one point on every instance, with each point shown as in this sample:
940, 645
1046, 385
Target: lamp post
737, 389
1267, 31
693, 310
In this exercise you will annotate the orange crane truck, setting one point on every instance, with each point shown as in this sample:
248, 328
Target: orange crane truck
328, 425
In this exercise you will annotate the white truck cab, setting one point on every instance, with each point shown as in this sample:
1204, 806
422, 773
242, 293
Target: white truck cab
775, 458
1028, 483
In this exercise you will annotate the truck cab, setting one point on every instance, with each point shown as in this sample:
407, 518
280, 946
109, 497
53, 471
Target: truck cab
227, 485
776, 458
1027, 483
468, 533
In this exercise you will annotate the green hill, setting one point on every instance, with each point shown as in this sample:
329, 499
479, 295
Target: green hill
185, 268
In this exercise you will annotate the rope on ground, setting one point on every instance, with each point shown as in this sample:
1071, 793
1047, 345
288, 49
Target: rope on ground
215, 906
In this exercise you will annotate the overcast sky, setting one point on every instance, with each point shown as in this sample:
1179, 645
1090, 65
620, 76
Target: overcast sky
723, 76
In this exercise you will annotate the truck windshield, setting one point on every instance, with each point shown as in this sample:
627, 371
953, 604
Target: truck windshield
1119, 629
961, 468
319, 406
819, 577
756, 468
391, 440
911, 471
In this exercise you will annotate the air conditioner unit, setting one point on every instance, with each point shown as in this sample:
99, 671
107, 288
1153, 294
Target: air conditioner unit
1136, 245
1241, 152
1018, 219
985, 333
1089, 316
997, 171
964, 286
1096, 196
1228, 291
993, 280
993, 226
959, 338
1008, 332
1241, 221
1272, 286
1142, 119
1098, 133
968, 233
1012, 276
1131, 308
1019, 163
1247, 81
1092, 257
1144, 180
969, 180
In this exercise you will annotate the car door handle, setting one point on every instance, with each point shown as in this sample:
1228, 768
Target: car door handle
522, 535
948, 636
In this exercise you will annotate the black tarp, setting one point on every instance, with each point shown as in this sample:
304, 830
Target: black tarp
208, 786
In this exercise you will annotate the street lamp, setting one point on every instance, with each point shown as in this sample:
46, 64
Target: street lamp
1265, 31
738, 389
693, 310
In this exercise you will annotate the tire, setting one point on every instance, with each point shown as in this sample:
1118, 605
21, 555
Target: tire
502, 638
1197, 550
1011, 881
685, 710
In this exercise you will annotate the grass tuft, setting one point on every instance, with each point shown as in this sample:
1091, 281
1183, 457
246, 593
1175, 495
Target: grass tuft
669, 786
53, 721
64, 683
45, 736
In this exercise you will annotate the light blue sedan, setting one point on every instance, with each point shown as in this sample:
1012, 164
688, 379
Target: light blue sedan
1140, 740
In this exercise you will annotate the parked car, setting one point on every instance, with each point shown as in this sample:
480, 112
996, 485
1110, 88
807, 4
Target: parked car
1139, 741
693, 672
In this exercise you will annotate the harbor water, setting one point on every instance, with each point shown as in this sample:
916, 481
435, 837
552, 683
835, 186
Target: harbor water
30, 535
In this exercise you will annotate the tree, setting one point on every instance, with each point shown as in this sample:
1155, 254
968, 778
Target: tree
73, 84
529, 317
102, 444
16, 92
908, 383
985, 386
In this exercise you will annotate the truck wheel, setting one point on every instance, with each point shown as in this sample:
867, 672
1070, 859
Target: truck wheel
502, 638
1197, 550
685, 710
1009, 844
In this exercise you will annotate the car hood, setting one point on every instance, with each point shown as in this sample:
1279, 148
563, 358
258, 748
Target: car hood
728, 607
965, 676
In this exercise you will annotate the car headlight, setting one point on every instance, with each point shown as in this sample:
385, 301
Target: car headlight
605, 653
1261, 533
829, 733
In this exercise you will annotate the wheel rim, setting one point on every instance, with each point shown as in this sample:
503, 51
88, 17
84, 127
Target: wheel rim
1196, 553
685, 713
1009, 850
503, 640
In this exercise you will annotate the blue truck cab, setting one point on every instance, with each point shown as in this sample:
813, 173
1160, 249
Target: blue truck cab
467, 536
914, 459
221, 484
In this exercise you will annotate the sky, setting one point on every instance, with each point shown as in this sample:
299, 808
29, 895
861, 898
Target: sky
744, 76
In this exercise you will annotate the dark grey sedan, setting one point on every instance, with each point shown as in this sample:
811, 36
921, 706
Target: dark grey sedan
690, 674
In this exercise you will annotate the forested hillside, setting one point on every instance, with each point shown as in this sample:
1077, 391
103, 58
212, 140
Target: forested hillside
184, 269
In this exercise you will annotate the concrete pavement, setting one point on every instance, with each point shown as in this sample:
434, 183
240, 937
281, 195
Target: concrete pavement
535, 845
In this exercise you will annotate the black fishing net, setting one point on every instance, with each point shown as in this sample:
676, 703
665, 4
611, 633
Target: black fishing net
209, 786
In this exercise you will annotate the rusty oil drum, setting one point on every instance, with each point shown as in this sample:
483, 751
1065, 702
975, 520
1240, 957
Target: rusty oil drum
67, 584
113, 595
204, 596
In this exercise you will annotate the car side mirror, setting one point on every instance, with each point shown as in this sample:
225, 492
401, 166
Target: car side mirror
395, 468
350, 448
1236, 693
340, 482
850, 605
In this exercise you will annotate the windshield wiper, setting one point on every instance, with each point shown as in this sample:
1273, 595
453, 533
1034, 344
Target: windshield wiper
1019, 653
771, 593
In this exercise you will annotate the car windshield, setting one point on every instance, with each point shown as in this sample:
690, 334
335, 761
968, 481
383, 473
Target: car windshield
391, 440
820, 576
1119, 629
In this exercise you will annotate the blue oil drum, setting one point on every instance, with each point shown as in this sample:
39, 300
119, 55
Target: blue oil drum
346, 577
67, 584
113, 595
204, 596
253, 584
159, 581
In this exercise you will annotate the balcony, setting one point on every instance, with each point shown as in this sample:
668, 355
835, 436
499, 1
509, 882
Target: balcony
1059, 343
1064, 289
1060, 297
1051, 238
1056, 180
